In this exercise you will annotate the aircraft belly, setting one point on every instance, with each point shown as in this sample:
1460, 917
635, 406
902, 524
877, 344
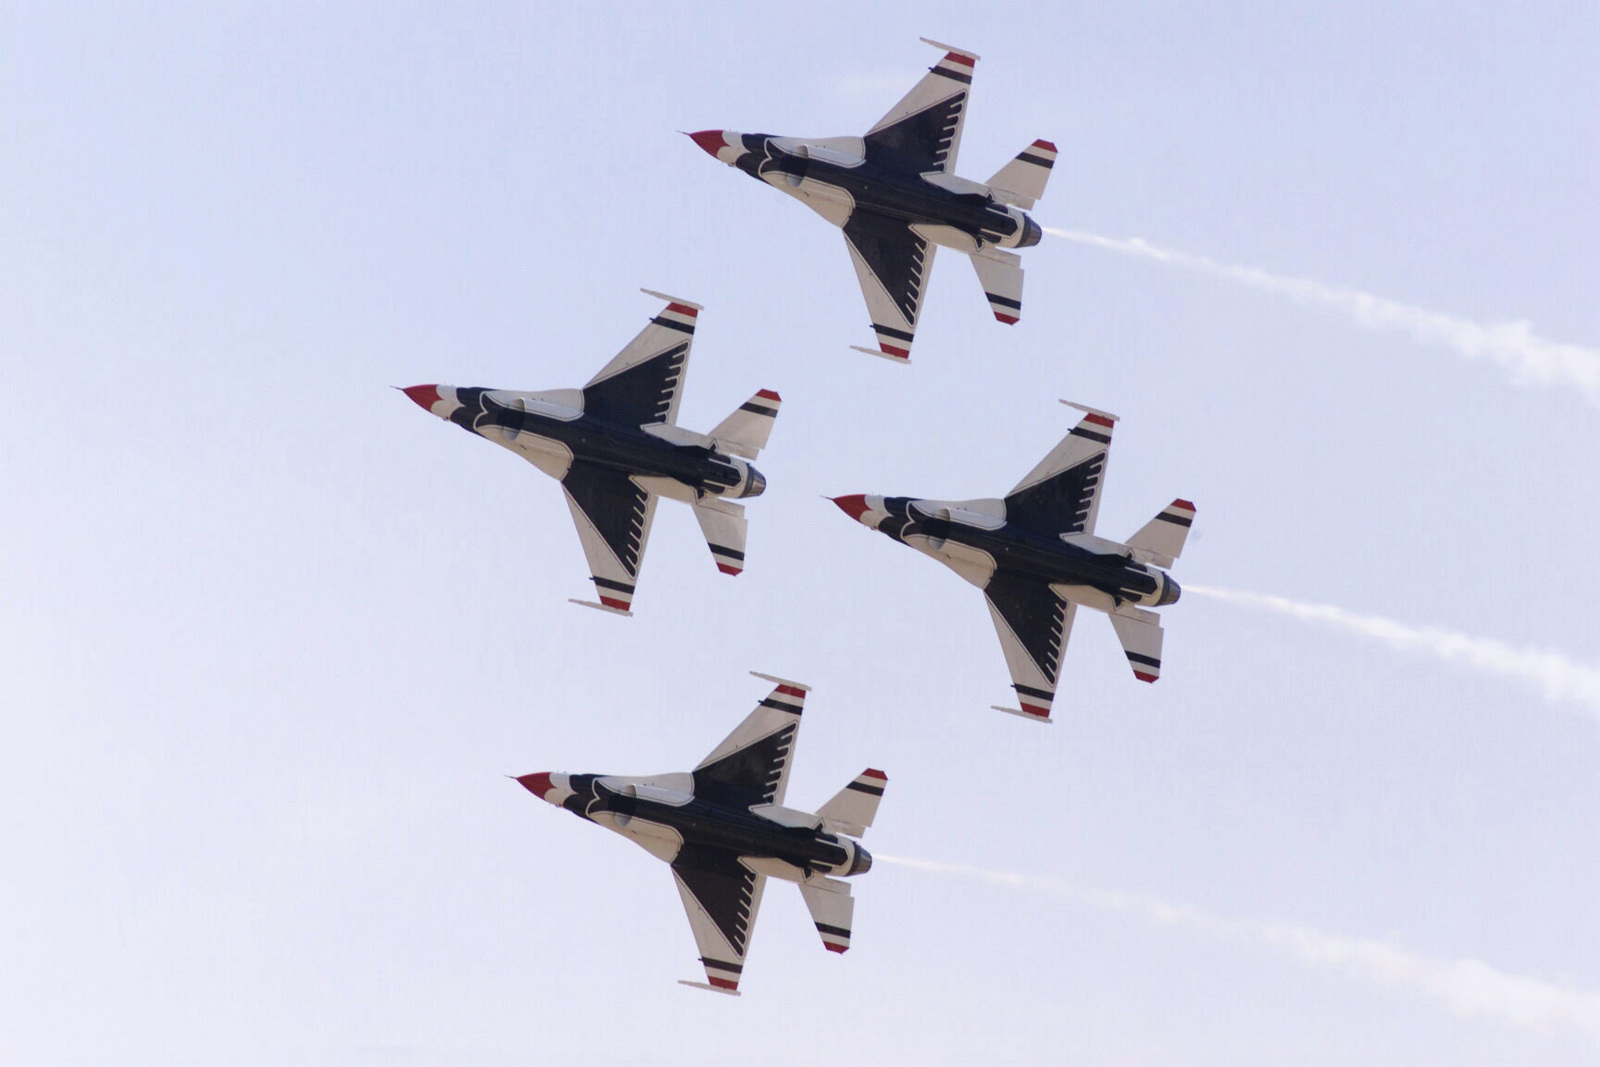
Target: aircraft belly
549, 455
831, 202
773, 867
947, 236
662, 842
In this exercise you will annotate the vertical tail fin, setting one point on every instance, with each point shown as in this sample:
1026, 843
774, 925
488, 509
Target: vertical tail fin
744, 433
1160, 541
1022, 181
853, 808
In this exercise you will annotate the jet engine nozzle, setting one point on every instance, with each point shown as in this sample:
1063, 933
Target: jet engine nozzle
724, 145
755, 483
861, 864
1170, 591
1031, 233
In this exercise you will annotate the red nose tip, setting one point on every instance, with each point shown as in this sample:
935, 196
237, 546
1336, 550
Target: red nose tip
711, 141
537, 784
853, 506
424, 396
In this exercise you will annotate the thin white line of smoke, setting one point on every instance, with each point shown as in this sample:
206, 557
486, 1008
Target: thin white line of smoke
1465, 987
1513, 346
1558, 677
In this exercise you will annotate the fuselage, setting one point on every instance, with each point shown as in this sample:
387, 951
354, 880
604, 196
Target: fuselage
840, 176
552, 431
665, 817
981, 545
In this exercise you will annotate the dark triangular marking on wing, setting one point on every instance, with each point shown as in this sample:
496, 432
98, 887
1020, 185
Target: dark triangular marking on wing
1060, 503
642, 393
749, 775
1034, 614
724, 888
895, 255
615, 505
920, 142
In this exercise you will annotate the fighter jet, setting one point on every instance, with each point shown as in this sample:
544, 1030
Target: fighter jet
724, 830
615, 446
1036, 557
895, 194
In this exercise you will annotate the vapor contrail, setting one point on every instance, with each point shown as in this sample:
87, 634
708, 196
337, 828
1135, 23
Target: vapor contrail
1529, 358
1466, 987
1557, 676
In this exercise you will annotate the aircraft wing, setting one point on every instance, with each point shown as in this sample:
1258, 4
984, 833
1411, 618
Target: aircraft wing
1034, 625
923, 131
892, 263
722, 897
1062, 494
751, 765
643, 382
613, 517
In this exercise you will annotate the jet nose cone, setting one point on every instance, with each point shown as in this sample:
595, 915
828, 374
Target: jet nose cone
424, 396
854, 505
537, 784
862, 863
710, 141
1171, 593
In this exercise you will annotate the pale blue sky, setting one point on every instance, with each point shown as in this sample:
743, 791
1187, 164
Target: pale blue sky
272, 636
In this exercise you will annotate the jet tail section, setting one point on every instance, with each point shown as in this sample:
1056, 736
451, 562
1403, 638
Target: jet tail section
1000, 274
725, 526
832, 908
1160, 541
1140, 633
1022, 181
853, 808
744, 433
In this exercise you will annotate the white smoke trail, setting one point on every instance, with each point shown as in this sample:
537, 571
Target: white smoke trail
1557, 676
1465, 987
1513, 346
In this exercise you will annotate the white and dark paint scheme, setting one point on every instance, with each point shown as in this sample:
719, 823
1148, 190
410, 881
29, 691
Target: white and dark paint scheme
723, 829
1035, 555
615, 447
895, 193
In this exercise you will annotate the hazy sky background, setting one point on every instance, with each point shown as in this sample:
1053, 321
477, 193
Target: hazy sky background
271, 636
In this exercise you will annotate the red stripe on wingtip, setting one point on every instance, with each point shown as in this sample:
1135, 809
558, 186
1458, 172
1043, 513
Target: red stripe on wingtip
722, 983
792, 691
1045, 145
1099, 420
768, 394
872, 772
891, 350
725, 569
1009, 320
612, 602
957, 57
1183, 504
684, 309
1043, 713
1143, 677
831, 947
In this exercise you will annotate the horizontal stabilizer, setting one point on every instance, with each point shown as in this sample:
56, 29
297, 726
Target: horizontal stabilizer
1140, 634
832, 908
1160, 541
725, 533
853, 808
1022, 181
744, 433
1000, 274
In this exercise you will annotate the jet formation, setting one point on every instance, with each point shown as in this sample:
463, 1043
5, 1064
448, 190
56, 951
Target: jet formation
895, 194
615, 447
1035, 555
724, 831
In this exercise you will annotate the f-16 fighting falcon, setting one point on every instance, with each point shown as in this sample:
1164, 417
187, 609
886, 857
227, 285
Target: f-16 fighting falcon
895, 194
615, 446
724, 830
1036, 558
